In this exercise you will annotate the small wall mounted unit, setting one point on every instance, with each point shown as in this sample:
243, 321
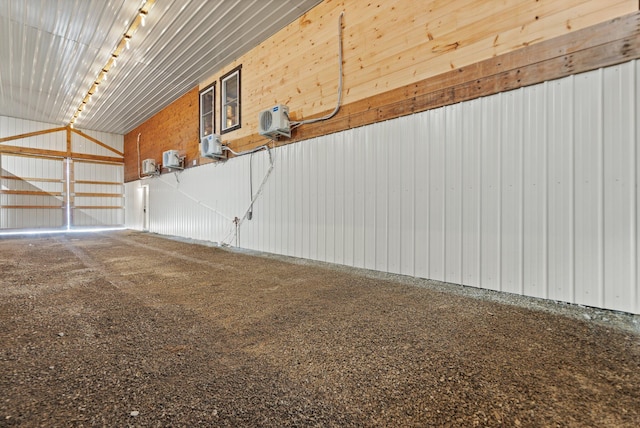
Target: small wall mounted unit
171, 159
274, 122
149, 166
211, 147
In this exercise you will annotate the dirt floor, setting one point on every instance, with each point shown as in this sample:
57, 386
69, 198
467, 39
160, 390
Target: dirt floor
131, 329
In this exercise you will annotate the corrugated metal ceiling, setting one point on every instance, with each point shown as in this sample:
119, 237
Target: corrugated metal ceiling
52, 51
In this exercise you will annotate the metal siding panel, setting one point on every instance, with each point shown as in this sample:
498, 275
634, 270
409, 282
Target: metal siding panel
490, 196
511, 192
306, 198
560, 260
370, 196
407, 219
588, 158
350, 167
312, 173
321, 179
359, 203
453, 195
420, 136
289, 214
339, 183
280, 191
619, 146
437, 166
381, 182
535, 192
299, 200
635, 285
329, 180
394, 132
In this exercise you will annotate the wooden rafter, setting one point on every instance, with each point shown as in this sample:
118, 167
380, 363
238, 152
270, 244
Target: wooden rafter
57, 154
96, 141
31, 134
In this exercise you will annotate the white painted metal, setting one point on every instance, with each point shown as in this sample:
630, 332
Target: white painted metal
22, 173
531, 192
52, 52
92, 177
30, 174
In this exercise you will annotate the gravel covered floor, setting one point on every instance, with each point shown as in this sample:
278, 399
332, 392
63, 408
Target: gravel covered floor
126, 328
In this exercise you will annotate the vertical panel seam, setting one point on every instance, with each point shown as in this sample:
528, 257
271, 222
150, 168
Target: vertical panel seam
572, 243
545, 198
635, 136
521, 214
601, 179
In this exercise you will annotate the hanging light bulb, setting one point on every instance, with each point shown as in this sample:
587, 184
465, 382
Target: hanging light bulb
128, 45
104, 75
142, 18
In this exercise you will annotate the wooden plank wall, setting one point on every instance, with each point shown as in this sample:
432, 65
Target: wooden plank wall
393, 51
176, 127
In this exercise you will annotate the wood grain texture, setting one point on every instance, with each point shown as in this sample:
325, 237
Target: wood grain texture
174, 128
400, 58
602, 45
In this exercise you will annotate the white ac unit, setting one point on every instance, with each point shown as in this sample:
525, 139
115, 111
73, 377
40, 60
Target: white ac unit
171, 159
149, 166
274, 122
211, 147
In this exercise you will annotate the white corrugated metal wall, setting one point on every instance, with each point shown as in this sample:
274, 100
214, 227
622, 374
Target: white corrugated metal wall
34, 185
32, 192
531, 191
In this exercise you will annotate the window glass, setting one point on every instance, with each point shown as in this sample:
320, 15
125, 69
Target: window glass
207, 99
230, 101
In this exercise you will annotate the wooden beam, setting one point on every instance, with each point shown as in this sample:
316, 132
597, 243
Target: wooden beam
31, 151
99, 162
99, 195
31, 134
96, 207
35, 207
114, 183
30, 192
34, 179
57, 154
68, 134
96, 141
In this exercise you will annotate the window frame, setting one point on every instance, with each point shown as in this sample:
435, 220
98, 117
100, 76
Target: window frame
212, 88
223, 104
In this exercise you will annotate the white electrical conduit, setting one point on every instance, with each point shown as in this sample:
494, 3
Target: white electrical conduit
138, 145
335, 110
233, 233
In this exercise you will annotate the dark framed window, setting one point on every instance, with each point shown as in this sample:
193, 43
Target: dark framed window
230, 101
207, 110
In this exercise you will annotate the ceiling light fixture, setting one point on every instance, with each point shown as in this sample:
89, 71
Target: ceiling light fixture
111, 63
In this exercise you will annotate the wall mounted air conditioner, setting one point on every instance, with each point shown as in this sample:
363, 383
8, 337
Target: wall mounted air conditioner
149, 166
211, 147
171, 159
274, 122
